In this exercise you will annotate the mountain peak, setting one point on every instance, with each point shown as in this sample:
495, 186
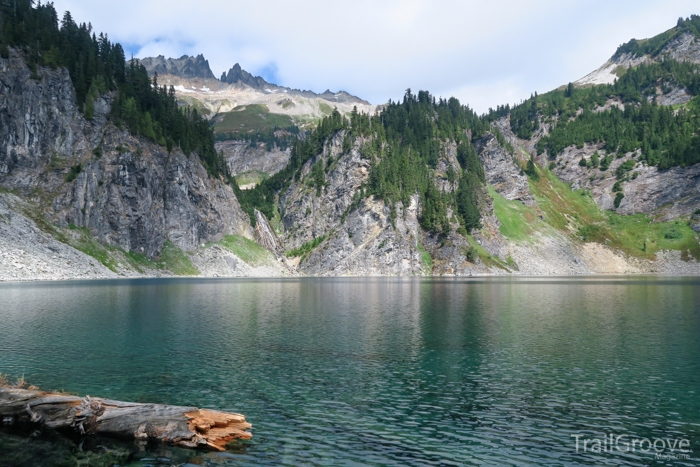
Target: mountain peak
657, 45
238, 75
681, 43
185, 67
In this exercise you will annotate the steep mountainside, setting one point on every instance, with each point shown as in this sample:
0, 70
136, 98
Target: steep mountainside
250, 162
629, 202
127, 192
634, 145
129, 204
241, 106
333, 221
681, 43
238, 75
103, 174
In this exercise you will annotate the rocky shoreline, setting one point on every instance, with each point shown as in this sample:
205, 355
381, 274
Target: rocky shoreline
29, 253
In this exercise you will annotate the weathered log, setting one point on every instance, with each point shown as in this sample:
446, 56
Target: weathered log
188, 427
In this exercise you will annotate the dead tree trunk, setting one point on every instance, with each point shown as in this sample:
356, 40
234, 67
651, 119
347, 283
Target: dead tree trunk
188, 427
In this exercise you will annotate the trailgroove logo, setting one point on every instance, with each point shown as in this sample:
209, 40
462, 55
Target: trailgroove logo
662, 448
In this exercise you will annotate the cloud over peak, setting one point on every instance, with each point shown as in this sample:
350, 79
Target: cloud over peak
485, 53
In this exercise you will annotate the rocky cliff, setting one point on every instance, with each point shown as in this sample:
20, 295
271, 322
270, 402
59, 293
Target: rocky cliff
666, 194
244, 158
357, 235
346, 233
92, 179
128, 192
503, 170
84, 198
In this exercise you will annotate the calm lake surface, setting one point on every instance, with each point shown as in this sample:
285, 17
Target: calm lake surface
378, 371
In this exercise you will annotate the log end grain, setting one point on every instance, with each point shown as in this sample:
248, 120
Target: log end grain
218, 429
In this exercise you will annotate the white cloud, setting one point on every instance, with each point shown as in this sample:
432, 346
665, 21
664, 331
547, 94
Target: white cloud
376, 50
481, 96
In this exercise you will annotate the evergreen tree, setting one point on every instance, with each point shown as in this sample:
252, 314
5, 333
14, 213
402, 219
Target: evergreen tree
403, 143
97, 66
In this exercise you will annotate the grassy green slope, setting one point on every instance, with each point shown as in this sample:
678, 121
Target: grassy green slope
575, 214
252, 177
518, 222
248, 250
255, 117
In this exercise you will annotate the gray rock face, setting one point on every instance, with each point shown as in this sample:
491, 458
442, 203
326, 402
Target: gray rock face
675, 96
237, 75
524, 148
363, 237
667, 194
306, 216
241, 158
340, 97
502, 171
128, 192
367, 244
38, 119
185, 67
685, 47
27, 253
695, 221
447, 160
265, 235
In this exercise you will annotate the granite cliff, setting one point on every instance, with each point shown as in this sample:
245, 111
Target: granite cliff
89, 178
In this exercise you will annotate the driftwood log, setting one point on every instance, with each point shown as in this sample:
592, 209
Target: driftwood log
188, 427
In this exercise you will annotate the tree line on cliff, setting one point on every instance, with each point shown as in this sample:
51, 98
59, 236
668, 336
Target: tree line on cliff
667, 136
404, 144
98, 66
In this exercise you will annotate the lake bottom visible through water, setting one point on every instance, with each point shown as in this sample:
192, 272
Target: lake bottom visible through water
377, 371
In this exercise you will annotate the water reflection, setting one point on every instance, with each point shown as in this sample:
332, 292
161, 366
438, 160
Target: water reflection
379, 371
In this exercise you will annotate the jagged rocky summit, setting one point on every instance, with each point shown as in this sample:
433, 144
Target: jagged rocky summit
238, 75
188, 68
184, 67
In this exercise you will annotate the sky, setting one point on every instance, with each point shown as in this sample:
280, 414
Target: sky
486, 53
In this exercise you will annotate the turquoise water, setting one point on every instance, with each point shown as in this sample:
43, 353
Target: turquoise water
379, 371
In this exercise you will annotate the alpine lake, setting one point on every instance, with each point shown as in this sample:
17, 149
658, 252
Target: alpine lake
372, 371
